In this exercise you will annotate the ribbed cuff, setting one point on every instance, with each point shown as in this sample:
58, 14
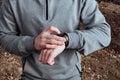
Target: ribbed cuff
74, 41
29, 44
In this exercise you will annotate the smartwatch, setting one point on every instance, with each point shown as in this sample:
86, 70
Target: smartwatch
66, 37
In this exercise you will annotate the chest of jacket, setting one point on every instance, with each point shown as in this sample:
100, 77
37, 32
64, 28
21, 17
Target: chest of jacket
39, 14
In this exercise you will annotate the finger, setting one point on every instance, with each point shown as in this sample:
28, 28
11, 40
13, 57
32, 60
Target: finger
54, 42
43, 56
52, 29
49, 46
47, 55
55, 37
51, 59
52, 63
39, 58
46, 45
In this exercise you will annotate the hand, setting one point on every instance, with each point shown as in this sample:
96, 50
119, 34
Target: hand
45, 40
47, 56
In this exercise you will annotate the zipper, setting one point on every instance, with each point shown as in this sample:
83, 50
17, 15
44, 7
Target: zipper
46, 9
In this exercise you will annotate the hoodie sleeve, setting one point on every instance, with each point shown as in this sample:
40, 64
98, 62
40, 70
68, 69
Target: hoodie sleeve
97, 33
9, 33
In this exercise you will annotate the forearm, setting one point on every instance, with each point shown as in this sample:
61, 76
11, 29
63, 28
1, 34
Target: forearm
97, 33
19, 45
90, 40
9, 31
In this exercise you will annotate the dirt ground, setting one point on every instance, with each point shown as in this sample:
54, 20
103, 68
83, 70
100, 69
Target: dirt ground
101, 65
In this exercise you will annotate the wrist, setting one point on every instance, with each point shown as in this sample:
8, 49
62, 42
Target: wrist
66, 38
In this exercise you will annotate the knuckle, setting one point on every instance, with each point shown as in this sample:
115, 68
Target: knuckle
58, 43
51, 41
42, 40
42, 46
44, 52
51, 27
53, 36
46, 46
42, 35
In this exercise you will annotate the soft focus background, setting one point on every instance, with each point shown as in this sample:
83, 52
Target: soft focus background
101, 65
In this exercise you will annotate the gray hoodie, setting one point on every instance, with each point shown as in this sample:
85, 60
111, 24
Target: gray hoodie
22, 20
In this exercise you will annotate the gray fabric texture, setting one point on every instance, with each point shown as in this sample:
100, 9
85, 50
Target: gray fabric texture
22, 20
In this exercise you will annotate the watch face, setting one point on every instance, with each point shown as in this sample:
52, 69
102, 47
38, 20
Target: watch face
66, 37
61, 35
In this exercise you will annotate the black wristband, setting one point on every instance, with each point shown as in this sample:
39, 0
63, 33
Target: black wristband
65, 35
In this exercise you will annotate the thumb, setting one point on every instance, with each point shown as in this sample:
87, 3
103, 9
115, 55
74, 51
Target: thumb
53, 30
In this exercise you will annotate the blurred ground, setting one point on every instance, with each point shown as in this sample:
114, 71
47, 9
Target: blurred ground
101, 65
